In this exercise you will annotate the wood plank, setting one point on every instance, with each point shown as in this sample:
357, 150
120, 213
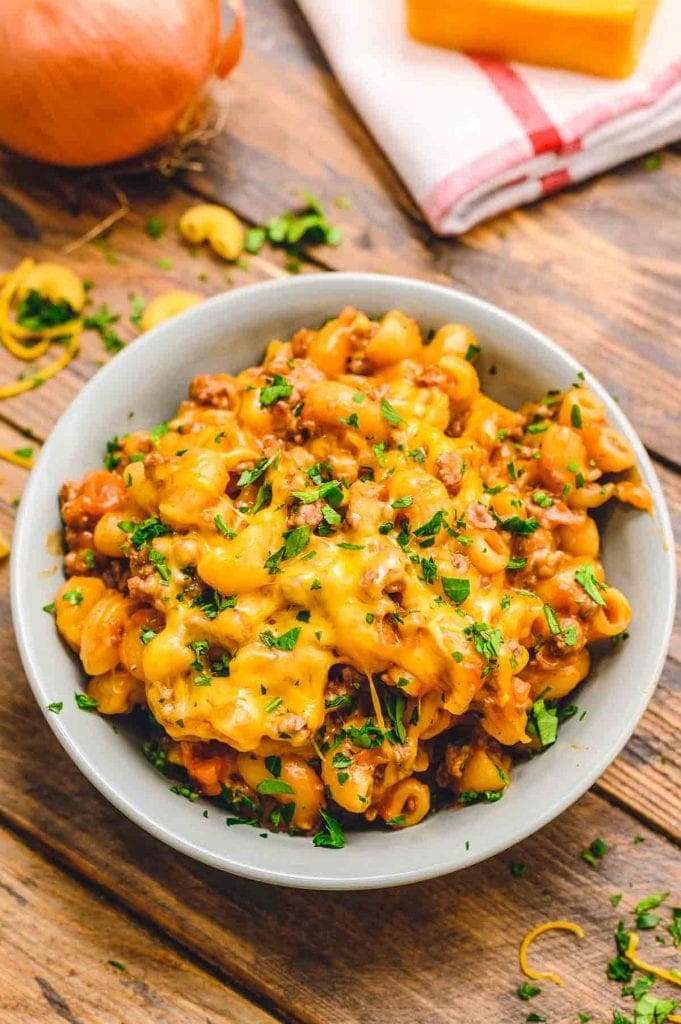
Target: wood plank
646, 777
66, 952
12, 478
436, 949
577, 265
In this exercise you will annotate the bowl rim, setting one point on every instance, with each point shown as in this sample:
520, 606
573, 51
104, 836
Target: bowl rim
435, 867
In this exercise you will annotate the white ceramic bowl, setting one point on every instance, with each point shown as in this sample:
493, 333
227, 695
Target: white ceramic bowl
143, 386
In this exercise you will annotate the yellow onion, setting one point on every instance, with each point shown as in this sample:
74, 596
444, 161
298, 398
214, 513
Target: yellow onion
86, 82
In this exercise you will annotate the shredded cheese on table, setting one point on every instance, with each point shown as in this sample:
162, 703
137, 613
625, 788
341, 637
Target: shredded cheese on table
673, 977
12, 333
528, 971
26, 462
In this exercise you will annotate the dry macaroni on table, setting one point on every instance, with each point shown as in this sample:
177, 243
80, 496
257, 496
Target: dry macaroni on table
346, 582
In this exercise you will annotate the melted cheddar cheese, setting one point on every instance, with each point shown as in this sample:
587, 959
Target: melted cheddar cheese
345, 580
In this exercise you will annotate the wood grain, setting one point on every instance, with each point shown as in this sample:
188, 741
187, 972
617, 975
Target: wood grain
67, 952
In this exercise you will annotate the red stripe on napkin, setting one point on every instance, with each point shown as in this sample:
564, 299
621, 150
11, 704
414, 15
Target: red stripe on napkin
540, 130
552, 182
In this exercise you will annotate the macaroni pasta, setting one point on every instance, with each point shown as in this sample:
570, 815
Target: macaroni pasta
346, 582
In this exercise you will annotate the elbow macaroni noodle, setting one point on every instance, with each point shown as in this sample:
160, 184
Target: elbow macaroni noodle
346, 582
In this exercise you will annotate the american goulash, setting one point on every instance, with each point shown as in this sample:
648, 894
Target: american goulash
346, 582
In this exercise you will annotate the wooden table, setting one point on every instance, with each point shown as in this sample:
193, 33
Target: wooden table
101, 923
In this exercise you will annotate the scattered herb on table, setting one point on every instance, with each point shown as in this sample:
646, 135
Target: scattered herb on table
294, 230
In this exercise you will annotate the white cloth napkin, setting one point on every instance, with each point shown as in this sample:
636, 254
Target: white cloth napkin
472, 137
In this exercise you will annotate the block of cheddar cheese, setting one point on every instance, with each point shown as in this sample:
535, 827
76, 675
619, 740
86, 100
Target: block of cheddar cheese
597, 37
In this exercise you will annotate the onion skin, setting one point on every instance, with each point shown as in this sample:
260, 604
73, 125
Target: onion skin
87, 82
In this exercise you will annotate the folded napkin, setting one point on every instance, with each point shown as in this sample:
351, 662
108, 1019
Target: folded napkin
473, 136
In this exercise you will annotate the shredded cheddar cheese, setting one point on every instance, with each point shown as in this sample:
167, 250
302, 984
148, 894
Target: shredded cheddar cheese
673, 977
50, 281
528, 971
26, 462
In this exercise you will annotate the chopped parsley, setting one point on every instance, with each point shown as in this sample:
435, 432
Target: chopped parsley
274, 787
432, 526
273, 765
552, 620
429, 570
86, 703
36, 312
137, 306
73, 597
101, 323
155, 227
278, 389
147, 635
527, 991
341, 701
262, 498
379, 453
142, 534
295, 542
457, 590
543, 722
294, 229
403, 502
186, 791
286, 642
367, 736
249, 476
576, 416
329, 490
486, 796
650, 902
212, 603
160, 563
487, 641
594, 853
221, 525
674, 928
389, 414
331, 835
586, 577
55, 707
396, 705
515, 524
